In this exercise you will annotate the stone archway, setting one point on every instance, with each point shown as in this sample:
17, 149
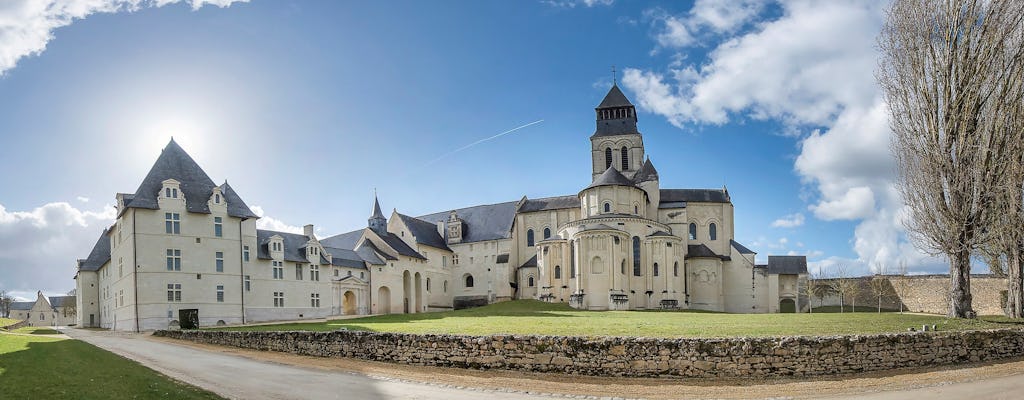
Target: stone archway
384, 300
787, 306
348, 303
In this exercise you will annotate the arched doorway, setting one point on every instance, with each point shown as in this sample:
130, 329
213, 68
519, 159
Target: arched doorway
406, 292
348, 303
418, 301
384, 300
787, 306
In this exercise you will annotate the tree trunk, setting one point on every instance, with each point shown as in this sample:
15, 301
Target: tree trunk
1015, 286
960, 285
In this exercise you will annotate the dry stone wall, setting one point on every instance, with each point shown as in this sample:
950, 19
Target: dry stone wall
802, 356
922, 293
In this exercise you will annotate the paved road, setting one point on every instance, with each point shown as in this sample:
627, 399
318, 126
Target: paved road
237, 377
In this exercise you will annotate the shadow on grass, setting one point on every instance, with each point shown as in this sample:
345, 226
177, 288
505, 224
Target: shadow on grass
50, 368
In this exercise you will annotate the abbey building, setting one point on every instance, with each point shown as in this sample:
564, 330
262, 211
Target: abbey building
183, 246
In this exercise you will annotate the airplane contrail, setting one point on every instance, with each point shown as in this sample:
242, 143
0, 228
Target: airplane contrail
481, 141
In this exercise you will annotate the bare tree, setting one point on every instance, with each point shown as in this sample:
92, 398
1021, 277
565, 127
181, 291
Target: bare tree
879, 284
5, 304
901, 284
811, 289
944, 69
843, 285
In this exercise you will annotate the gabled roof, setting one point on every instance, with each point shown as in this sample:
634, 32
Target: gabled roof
792, 265
345, 258
550, 203
293, 245
532, 262
400, 246
646, 173
703, 251
369, 252
611, 177
61, 301
424, 232
741, 248
22, 305
694, 195
99, 255
480, 223
343, 241
196, 186
614, 98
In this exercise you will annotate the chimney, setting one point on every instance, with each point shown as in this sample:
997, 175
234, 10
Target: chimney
308, 231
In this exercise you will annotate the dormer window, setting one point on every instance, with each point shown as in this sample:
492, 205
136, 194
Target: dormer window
216, 198
171, 193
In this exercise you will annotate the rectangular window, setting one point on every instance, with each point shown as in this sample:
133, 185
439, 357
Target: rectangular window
314, 272
278, 270
174, 292
120, 267
455, 259
298, 272
220, 261
172, 223
220, 293
218, 227
248, 284
314, 300
173, 260
245, 253
278, 299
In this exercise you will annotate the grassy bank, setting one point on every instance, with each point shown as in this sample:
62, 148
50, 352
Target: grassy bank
534, 317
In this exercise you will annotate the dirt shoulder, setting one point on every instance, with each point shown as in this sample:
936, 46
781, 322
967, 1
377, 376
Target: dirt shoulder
832, 386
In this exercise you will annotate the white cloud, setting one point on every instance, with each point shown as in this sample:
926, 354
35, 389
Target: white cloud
38, 248
706, 18
273, 224
789, 221
26, 26
811, 68
83, 199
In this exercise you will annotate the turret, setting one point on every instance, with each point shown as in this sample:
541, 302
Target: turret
377, 222
616, 142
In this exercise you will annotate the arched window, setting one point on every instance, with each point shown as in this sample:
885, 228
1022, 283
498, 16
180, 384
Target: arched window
444, 286
655, 269
636, 209
558, 272
693, 231
529, 238
622, 268
547, 233
428, 284
572, 259
469, 281
636, 256
530, 281
607, 158
607, 207
625, 158
713, 231
675, 269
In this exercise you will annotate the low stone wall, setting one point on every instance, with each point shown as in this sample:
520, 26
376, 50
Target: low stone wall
16, 325
640, 357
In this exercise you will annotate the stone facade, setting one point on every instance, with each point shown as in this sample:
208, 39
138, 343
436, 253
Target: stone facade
641, 357
924, 293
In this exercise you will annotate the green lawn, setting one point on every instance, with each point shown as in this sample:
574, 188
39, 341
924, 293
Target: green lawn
8, 321
36, 330
42, 367
534, 317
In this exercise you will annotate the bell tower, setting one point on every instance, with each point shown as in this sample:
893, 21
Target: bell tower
616, 143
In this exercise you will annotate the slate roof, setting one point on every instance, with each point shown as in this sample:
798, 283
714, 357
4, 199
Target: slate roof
22, 305
369, 252
741, 248
196, 186
646, 173
611, 177
480, 223
597, 227
621, 126
99, 255
236, 207
792, 265
550, 203
61, 301
424, 232
614, 98
694, 195
293, 245
376, 209
660, 233
702, 251
343, 241
345, 258
532, 262
399, 245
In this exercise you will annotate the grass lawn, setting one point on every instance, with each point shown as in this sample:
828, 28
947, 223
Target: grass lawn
8, 321
42, 367
535, 317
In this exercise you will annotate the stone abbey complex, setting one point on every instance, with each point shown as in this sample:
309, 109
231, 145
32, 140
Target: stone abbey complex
183, 243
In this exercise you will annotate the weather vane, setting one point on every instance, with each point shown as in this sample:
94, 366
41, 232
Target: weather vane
613, 76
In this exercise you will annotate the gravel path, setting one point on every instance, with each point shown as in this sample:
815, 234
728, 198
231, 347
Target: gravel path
249, 374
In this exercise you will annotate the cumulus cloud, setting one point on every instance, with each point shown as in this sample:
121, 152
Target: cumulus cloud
273, 224
26, 26
811, 69
789, 221
83, 199
40, 246
707, 17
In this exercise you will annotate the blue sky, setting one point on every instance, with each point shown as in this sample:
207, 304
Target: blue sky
307, 106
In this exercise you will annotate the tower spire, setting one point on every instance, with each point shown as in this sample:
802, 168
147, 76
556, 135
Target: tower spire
377, 222
614, 80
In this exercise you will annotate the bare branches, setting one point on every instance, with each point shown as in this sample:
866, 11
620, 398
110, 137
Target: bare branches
949, 70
